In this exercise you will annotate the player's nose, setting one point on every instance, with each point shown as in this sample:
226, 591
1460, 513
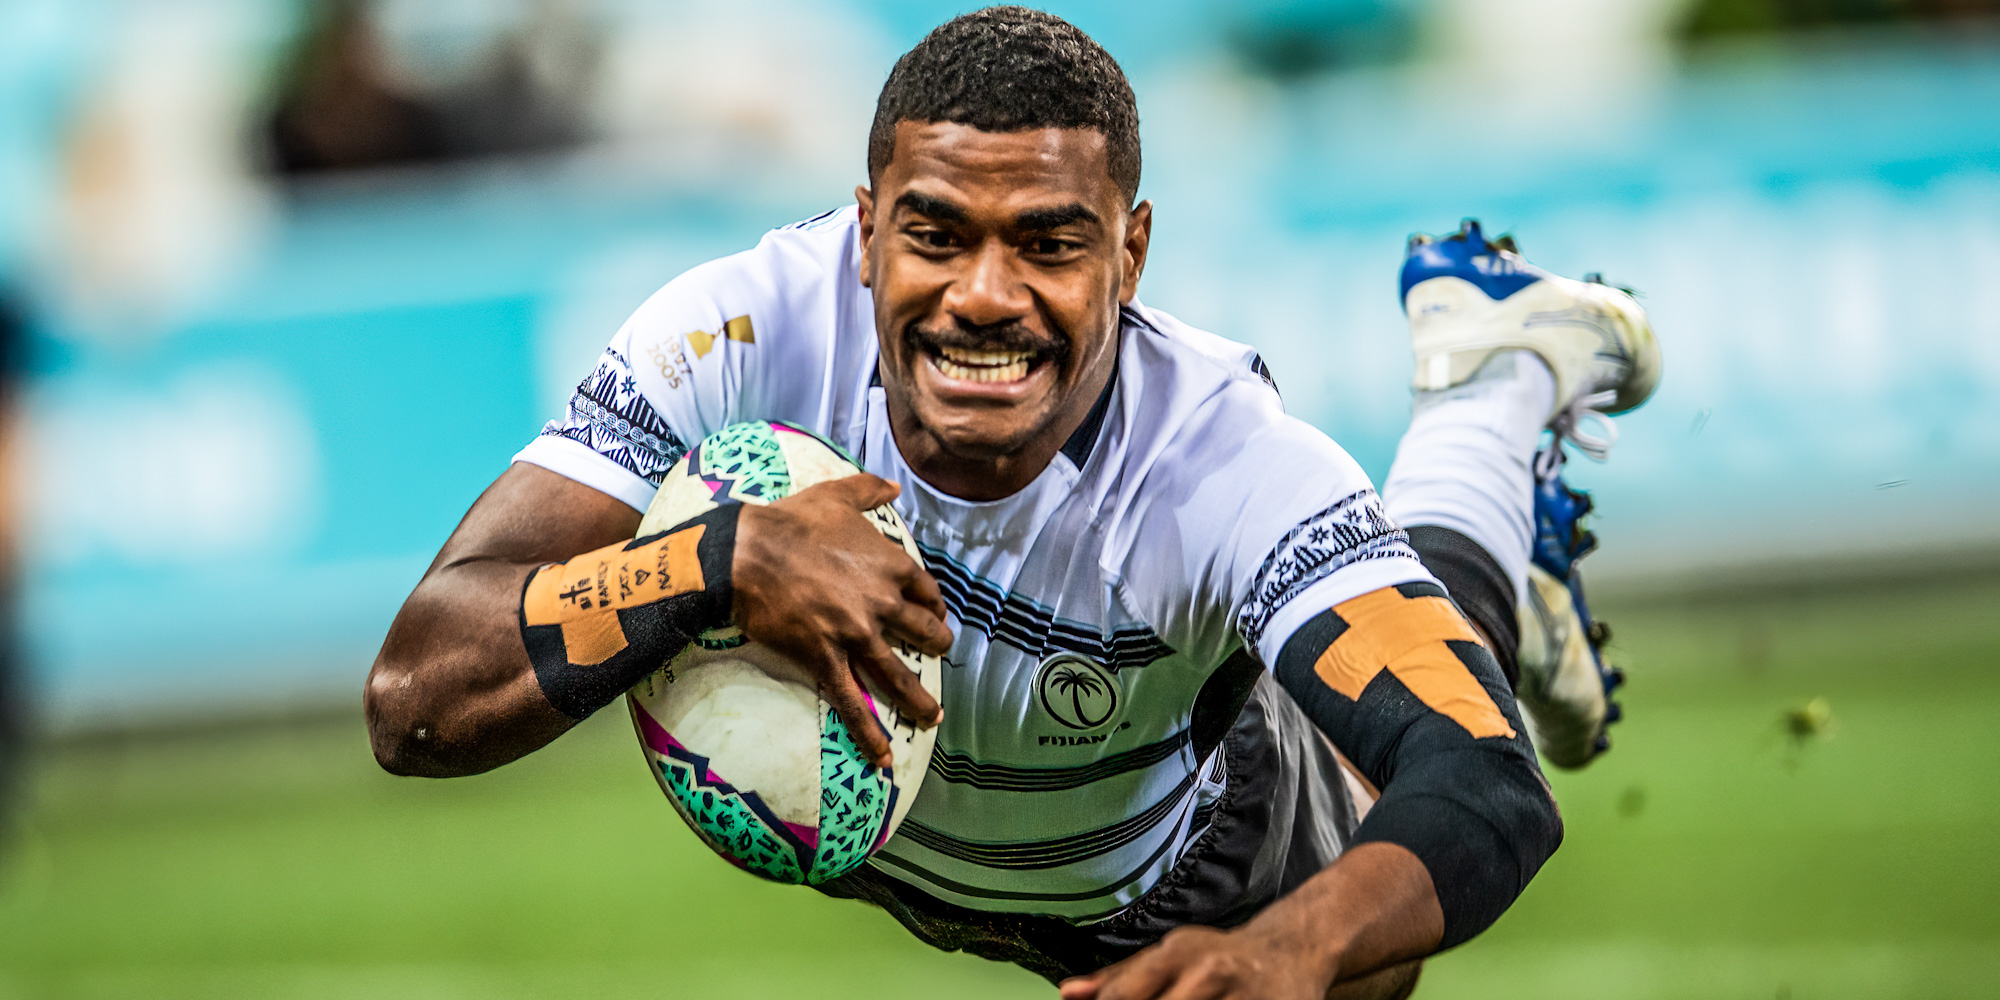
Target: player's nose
990, 290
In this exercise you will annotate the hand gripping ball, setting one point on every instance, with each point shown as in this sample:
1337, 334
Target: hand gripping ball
741, 743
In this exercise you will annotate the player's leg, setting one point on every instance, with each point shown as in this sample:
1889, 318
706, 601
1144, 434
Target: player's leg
1504, 352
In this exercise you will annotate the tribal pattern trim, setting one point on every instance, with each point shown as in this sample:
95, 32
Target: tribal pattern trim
1032, 627
1352, 530
609, 415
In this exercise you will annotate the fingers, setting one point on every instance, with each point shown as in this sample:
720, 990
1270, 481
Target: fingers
922, 628
1190, 963
898, 683
1193, 985
1080, 987
861, 491
1141, 977
840, 690
922, 588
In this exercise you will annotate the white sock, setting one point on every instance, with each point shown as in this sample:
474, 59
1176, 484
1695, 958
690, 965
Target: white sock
1467, 461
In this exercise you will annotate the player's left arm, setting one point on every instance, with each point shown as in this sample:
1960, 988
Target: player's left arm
1402, 683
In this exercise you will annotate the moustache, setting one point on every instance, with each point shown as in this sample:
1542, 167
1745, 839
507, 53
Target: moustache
1008, 336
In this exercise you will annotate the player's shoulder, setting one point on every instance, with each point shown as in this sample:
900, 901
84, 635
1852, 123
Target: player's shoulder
1196, 392
1204, 360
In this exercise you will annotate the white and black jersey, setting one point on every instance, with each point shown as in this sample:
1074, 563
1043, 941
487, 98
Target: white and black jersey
1109, 617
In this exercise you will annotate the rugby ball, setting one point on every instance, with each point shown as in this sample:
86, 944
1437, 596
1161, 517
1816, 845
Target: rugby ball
737, 736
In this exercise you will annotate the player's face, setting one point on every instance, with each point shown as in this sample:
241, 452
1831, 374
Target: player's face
998, 262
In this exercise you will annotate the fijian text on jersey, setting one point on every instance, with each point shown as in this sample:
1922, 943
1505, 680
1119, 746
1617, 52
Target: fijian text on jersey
1071, 741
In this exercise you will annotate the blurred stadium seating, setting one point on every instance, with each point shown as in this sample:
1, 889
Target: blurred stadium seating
302, 281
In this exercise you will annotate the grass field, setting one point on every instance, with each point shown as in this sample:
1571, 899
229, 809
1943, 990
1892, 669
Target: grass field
1707, 857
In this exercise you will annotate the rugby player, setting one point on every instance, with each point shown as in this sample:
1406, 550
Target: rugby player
1168, 609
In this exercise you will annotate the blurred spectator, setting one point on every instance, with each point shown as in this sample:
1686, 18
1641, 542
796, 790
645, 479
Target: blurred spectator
343, 104
339, 108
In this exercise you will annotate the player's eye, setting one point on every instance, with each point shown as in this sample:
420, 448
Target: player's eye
1049, 246
934, 239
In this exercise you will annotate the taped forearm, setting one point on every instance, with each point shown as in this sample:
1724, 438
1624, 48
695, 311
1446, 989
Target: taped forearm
1402, 685
1482, 826
599, 623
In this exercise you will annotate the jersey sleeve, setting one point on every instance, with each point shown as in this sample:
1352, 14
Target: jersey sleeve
1306, 529
744, 337
1271, 523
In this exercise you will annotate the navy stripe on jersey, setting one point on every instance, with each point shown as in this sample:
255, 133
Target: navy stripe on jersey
1031, 626
815, 220
1050, 853
963, 770
982, 892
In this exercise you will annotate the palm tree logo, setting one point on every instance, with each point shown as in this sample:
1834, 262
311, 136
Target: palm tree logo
1078, 693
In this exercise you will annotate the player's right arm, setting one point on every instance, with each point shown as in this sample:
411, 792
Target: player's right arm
452, 691
476, 671
483, 665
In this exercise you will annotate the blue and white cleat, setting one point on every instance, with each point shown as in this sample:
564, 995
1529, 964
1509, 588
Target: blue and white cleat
1565, 686
1467, 297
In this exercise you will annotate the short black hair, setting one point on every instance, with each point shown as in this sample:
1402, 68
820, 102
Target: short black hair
1010, 69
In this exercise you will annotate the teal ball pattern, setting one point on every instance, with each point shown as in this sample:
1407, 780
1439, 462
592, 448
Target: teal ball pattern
855, 799
731, 824
746, 462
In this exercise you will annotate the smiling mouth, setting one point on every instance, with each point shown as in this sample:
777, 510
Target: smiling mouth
983, 366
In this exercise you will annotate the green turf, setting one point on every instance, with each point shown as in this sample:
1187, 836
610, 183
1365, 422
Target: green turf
1707, 857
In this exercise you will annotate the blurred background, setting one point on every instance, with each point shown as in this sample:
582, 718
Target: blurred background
284, 284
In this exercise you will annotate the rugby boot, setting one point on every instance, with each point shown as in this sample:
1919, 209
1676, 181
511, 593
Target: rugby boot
1468, 297
1565, 688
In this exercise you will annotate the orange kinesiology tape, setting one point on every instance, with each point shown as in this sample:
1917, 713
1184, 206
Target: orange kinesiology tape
595, 625
1409, 637
584, 595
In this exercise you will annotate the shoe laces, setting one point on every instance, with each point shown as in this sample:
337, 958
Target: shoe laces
1568, 425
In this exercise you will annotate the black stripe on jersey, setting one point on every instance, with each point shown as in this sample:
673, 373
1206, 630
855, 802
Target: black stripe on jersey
1050, 853
1259, 369
978, 892
962, 770
1032, 627
803, 223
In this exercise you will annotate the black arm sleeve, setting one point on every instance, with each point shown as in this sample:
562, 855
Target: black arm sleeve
598, 624
1474, 809
1478, 586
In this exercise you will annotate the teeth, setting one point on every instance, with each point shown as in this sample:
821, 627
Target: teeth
965, 357
984, 366
1011, 372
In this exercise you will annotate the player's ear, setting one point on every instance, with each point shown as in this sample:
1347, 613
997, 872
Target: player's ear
1138, 237
864, 200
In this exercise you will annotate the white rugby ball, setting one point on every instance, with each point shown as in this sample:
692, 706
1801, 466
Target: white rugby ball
736, 734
